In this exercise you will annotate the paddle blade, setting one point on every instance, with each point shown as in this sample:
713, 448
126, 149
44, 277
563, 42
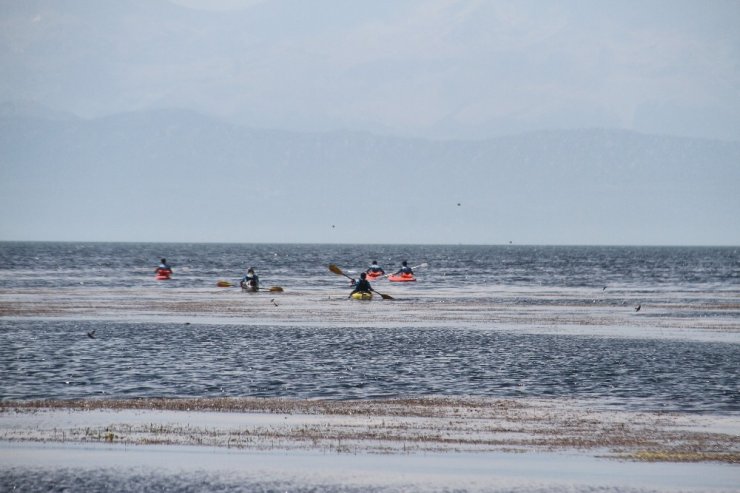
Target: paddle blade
224, 284
336, 270
386, 296
276, 289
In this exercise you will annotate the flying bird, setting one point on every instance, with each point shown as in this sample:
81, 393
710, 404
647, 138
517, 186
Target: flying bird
637, 308
91, 334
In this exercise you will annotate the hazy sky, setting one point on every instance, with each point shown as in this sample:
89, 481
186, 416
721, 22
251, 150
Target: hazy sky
422, 69
435, 68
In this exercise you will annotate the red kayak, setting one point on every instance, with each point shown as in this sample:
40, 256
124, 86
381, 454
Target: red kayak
371, 276
162, 275
402, 278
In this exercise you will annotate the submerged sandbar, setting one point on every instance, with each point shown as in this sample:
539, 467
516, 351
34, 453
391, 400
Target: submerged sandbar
388, 426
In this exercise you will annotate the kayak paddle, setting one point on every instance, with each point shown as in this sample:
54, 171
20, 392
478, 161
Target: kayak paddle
273, 289
337, 270
228, 284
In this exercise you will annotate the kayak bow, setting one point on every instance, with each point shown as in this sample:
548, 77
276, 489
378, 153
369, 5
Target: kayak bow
402, 278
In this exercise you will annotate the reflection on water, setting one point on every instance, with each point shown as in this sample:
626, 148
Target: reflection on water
112, 479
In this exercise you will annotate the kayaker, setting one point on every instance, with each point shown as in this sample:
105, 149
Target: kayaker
164, 269
375, 269
250, 282
405, 269
362, 286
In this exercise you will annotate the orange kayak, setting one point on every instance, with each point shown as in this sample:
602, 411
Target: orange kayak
402, 278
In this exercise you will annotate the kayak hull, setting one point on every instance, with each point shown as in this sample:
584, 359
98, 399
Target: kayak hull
402, 278
371, 276
162, 277
360, 295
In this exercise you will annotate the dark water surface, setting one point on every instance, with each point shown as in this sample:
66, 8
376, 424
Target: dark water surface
173, 360
307, 357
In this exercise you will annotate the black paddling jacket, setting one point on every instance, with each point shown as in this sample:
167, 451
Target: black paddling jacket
362, 285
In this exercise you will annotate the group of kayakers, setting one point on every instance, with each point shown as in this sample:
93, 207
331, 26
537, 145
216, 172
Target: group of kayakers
251, 282
375, 271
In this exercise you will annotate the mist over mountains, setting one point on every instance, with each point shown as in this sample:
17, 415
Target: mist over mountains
416, 68
176, 175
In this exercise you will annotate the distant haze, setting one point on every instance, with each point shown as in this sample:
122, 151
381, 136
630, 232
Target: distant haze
561, 122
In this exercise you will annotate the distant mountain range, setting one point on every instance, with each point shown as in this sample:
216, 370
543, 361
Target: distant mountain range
183, 166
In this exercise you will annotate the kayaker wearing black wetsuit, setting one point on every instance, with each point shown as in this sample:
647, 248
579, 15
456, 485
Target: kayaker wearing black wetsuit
362, 286
250, 282
405, 269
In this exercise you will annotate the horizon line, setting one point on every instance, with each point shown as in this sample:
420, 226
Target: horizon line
509, 244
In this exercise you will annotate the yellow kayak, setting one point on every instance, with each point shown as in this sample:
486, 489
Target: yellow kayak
362, 295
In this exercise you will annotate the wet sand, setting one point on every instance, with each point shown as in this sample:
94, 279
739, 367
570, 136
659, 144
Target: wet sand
413, 445
380, 426
693, 315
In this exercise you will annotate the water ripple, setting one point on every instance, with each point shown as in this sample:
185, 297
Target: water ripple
53, 359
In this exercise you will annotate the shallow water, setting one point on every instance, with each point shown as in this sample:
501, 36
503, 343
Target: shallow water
487, 321
90, 468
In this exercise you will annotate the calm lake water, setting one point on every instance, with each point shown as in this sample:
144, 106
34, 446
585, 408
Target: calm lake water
319, 345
